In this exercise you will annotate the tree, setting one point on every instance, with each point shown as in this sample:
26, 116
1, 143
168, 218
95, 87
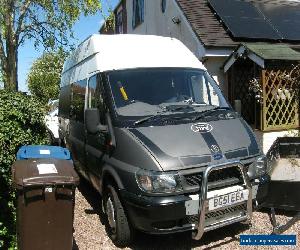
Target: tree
44, 76
47, 23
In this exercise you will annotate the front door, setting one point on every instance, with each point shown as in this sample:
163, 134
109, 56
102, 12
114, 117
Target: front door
95, 143
241, 73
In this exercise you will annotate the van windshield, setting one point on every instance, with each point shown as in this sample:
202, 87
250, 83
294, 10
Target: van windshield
143, 92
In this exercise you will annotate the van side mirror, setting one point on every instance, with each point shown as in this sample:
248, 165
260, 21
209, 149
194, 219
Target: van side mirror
92, 121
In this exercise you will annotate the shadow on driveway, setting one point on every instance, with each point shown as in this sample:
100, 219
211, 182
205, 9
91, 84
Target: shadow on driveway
182, 241
93, 198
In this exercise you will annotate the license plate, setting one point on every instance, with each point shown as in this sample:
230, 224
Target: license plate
228, 199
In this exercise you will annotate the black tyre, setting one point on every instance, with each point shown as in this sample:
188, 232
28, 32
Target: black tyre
117, 223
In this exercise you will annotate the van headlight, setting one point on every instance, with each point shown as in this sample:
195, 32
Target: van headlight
258, 168
158, 182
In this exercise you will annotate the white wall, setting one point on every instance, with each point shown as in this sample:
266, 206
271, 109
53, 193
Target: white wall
214, 67
158, 23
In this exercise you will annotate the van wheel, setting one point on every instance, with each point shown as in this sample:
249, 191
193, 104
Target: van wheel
117, 223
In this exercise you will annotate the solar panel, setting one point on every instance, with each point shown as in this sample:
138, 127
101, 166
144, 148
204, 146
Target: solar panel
256, 20
250, 28
234, 8
244, 20
284, 18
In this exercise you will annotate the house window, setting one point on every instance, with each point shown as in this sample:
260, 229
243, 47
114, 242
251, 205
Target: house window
119, 22
138, 12
163, 5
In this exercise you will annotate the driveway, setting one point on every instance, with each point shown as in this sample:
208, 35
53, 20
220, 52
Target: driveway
90, 230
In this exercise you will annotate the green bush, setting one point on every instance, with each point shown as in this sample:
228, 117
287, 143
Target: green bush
21, 123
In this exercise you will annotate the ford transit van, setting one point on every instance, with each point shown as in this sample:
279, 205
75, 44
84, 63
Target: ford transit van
149, 128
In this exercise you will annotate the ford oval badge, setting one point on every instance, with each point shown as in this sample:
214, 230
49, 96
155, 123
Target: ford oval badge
217, 156
202, 127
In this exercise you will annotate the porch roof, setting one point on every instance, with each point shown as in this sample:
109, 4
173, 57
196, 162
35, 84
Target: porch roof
259, 52
273, 51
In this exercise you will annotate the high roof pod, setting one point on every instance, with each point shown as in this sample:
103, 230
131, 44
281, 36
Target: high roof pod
115, 52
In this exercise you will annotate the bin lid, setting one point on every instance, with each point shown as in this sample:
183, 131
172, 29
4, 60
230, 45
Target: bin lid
43, 151
40, 172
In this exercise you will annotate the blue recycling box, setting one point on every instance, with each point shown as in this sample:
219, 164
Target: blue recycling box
43, 151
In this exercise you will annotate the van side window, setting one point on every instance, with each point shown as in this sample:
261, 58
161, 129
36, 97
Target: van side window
64, 101
77, 101
95, 96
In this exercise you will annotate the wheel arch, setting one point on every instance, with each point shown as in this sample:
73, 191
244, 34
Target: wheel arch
109, 175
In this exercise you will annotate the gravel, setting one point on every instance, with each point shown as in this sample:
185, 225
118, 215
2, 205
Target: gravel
89, 230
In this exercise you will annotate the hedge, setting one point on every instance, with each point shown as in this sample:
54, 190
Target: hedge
21, 123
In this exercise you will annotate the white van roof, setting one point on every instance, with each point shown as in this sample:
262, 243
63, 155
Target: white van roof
116, 52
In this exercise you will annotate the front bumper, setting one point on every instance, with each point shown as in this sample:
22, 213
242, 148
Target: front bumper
157, 215
170, 214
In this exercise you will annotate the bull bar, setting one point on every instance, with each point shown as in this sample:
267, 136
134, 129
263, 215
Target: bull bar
203, 200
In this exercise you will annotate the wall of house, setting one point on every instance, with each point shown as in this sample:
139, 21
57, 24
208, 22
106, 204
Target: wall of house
214, 66
158, 23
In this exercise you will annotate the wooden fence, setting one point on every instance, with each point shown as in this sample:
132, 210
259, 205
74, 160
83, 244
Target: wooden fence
280, 107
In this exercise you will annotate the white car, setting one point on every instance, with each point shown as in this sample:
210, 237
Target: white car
51, 120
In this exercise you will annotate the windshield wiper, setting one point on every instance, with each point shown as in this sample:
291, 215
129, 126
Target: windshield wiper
166, 109
176, 107
206, 112
147, 118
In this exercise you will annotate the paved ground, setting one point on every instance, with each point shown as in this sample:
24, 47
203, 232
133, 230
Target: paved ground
90, 232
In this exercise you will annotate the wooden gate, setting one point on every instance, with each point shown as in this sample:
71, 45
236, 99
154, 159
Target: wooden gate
280, 99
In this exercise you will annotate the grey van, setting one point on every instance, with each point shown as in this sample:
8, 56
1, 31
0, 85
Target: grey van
149, 128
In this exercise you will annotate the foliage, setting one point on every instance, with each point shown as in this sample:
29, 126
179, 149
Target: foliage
291, 78
47, 23
256, 88
109, 24
44, 76
21, 122
293, 133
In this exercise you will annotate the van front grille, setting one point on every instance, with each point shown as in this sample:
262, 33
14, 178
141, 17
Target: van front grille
215, 216
229, 210
223, 174
224, 178
194, 179
193, 219
217, 179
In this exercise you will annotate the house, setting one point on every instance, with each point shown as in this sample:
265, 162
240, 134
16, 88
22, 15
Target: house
238, 41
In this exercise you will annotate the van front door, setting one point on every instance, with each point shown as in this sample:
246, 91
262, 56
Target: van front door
95, 143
